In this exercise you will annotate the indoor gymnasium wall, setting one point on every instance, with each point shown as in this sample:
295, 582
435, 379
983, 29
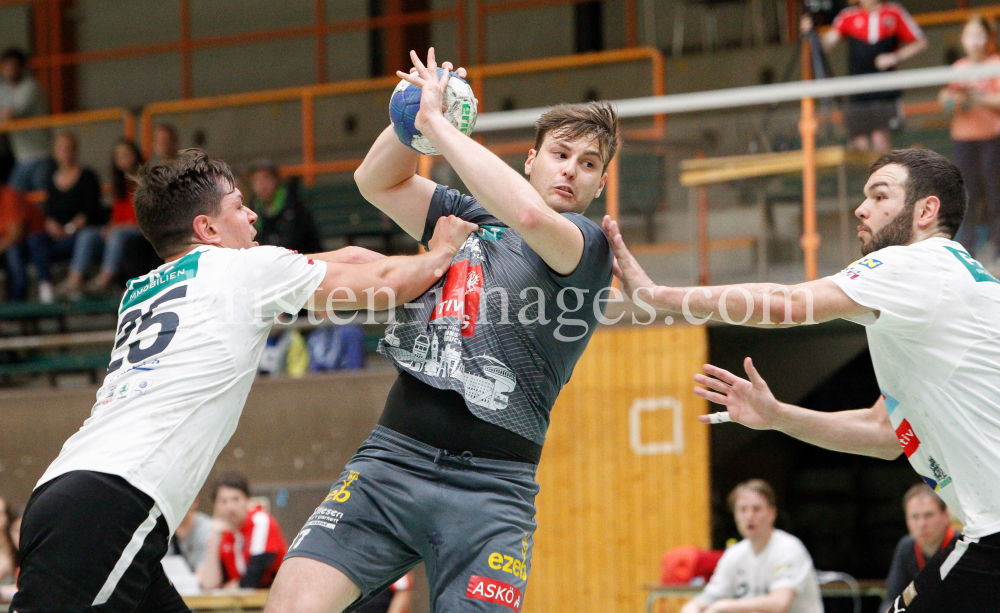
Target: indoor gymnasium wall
621, 481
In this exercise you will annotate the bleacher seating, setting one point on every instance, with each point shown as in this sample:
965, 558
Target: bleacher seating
340, 211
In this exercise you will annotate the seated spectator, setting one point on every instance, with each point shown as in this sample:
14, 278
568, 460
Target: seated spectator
975, 135
165, 145
282, 219
769, 570
21, 96
18, 220
123, 226
192, 537
396, 599
73, 219
930, 534
8, 548
247, 545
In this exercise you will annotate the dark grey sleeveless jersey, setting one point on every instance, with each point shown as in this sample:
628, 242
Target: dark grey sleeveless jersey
501, 327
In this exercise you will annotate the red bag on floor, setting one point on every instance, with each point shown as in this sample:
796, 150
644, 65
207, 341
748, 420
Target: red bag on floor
684, 563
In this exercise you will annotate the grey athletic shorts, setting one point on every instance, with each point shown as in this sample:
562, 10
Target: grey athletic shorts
400, 501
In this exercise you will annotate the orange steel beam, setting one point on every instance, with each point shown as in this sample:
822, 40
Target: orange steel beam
807, 128
319, 8
704, 275
463, 32
77, 118
955, 16
631, 27
319, 168
55, 42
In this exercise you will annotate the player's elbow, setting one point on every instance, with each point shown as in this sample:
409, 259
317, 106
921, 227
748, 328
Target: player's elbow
363, 178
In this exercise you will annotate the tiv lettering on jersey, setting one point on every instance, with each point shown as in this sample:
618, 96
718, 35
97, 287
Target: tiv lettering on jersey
342, 495
976, 269
460, 296
490, 590
907, 438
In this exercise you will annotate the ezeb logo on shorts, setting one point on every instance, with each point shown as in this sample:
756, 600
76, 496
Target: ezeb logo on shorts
509, 564
342, 495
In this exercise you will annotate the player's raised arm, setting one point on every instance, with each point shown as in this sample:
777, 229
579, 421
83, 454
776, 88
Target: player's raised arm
750, 403
388, 179
390, 281
748, 304
499, 188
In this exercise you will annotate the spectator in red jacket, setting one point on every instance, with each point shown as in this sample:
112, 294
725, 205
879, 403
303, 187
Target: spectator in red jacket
123, 227
247, 542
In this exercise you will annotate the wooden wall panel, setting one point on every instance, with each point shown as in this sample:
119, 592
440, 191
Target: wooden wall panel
606, 514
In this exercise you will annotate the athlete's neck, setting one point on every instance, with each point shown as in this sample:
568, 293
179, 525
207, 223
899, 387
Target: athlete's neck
180, 254
759, 543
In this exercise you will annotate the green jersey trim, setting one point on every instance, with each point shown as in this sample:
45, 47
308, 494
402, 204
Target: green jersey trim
184, 269
976, 269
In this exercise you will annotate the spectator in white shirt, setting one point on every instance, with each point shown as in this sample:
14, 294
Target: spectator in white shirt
769, 571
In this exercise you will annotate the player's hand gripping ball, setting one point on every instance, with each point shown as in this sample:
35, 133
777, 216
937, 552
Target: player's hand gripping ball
460, 110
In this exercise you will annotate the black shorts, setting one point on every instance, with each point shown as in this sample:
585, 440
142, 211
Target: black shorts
966, 580
470, 520
862, 117
92, 542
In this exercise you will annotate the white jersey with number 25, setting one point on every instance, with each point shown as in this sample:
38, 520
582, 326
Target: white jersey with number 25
190, 336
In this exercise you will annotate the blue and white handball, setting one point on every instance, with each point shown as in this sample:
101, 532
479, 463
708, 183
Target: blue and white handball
460, 110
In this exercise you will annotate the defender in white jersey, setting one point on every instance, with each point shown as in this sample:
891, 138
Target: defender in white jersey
932, 315
190, 335
769, 570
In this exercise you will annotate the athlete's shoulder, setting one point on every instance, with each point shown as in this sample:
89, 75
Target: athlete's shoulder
788, 542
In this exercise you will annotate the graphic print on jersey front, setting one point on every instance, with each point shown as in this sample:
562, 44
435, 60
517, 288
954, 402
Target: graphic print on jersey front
486, 381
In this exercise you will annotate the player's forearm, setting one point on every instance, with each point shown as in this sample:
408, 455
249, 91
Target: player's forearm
387, 164
500, 189
348, 255
749, 304
862, 431
210, 572
772, 603
401, 279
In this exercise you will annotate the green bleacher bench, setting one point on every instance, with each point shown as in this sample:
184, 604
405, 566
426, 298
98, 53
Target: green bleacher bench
60, 362
37, 310
340, 211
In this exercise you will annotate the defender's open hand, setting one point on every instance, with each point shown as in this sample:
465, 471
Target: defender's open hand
750, 403
632, 275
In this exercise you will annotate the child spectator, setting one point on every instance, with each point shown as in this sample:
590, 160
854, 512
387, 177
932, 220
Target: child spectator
18, 220
123, 226
22, 96
73, 219
975, 134
247, 546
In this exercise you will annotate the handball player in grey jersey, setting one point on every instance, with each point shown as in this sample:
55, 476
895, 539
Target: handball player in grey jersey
447, 477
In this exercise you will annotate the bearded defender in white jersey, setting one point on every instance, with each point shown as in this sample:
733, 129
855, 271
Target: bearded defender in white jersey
932, 315
190, 336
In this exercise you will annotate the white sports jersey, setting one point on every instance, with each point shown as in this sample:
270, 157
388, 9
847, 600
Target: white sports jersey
936, 350
190, 335
783, 563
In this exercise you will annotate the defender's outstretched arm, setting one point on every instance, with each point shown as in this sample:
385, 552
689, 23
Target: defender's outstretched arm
862, 431
390, 281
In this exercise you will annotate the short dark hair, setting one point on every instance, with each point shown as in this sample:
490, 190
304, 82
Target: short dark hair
931, 174
232, 480
16, 54
753, 485
171, 193
922, 489
597, 120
